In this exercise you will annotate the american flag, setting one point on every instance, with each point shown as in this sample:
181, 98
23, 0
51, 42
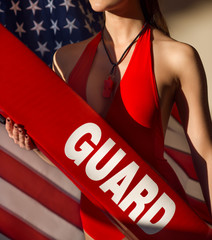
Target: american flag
177, 153
32, 193
46, 25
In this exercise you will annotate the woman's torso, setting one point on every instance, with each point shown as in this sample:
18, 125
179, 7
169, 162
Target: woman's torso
141, 106
67, 57
138, 112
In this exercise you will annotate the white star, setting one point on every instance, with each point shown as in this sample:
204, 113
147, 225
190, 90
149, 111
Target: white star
70, 25
38, 27
20, 29
58, 45
34, 6
15, 7
0, 8
50, 5
87, 25
54, 26
90, 17
67, 4
42, 48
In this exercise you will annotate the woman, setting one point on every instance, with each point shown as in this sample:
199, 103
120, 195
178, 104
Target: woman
131, 74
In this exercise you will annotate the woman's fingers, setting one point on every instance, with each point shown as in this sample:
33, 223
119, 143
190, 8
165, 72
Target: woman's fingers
21, 137
18, 133
9, 127
29, 145
15, 133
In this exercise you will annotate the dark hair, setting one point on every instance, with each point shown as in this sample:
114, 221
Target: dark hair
153, 15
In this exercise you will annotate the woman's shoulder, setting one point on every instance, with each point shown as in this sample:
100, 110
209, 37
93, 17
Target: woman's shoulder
172, 47
175, 54
67, 56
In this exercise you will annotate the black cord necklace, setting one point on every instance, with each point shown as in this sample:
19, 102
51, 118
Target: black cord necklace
109, 82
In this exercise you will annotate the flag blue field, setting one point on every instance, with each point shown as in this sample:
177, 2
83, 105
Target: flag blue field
46, 25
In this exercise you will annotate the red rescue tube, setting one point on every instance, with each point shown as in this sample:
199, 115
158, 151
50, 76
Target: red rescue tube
81, 144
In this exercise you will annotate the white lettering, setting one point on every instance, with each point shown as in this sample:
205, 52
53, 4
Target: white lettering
126, 174
151, 190
163, 202
86, 149
99, 174
78, 149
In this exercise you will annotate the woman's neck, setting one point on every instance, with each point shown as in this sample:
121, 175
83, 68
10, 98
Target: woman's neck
122, 27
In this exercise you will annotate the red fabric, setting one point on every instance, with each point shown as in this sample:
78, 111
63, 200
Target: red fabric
79, 76
15, 228
175, 113
96, 224
32, 95
184, 160
136, 103
16, 174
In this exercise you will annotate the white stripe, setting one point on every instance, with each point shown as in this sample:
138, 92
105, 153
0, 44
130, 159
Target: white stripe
32, 161
191, 187
36, 214
175, 136
2, 237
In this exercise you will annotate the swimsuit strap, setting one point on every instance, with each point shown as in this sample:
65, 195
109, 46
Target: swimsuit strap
86, 60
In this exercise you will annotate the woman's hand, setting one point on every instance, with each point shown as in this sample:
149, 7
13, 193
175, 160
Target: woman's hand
19, 135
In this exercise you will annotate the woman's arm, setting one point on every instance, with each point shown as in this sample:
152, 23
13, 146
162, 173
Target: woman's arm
192, 102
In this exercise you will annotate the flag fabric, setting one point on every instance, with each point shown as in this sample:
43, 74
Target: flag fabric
46, 95
178, 155
32, 193
46, 25
37, 201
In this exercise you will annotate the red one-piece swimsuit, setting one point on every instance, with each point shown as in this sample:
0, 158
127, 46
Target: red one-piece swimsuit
135, 115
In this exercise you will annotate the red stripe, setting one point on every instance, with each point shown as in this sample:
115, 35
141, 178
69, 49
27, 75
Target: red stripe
175, 113
15, 228
184, 160
38, 188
